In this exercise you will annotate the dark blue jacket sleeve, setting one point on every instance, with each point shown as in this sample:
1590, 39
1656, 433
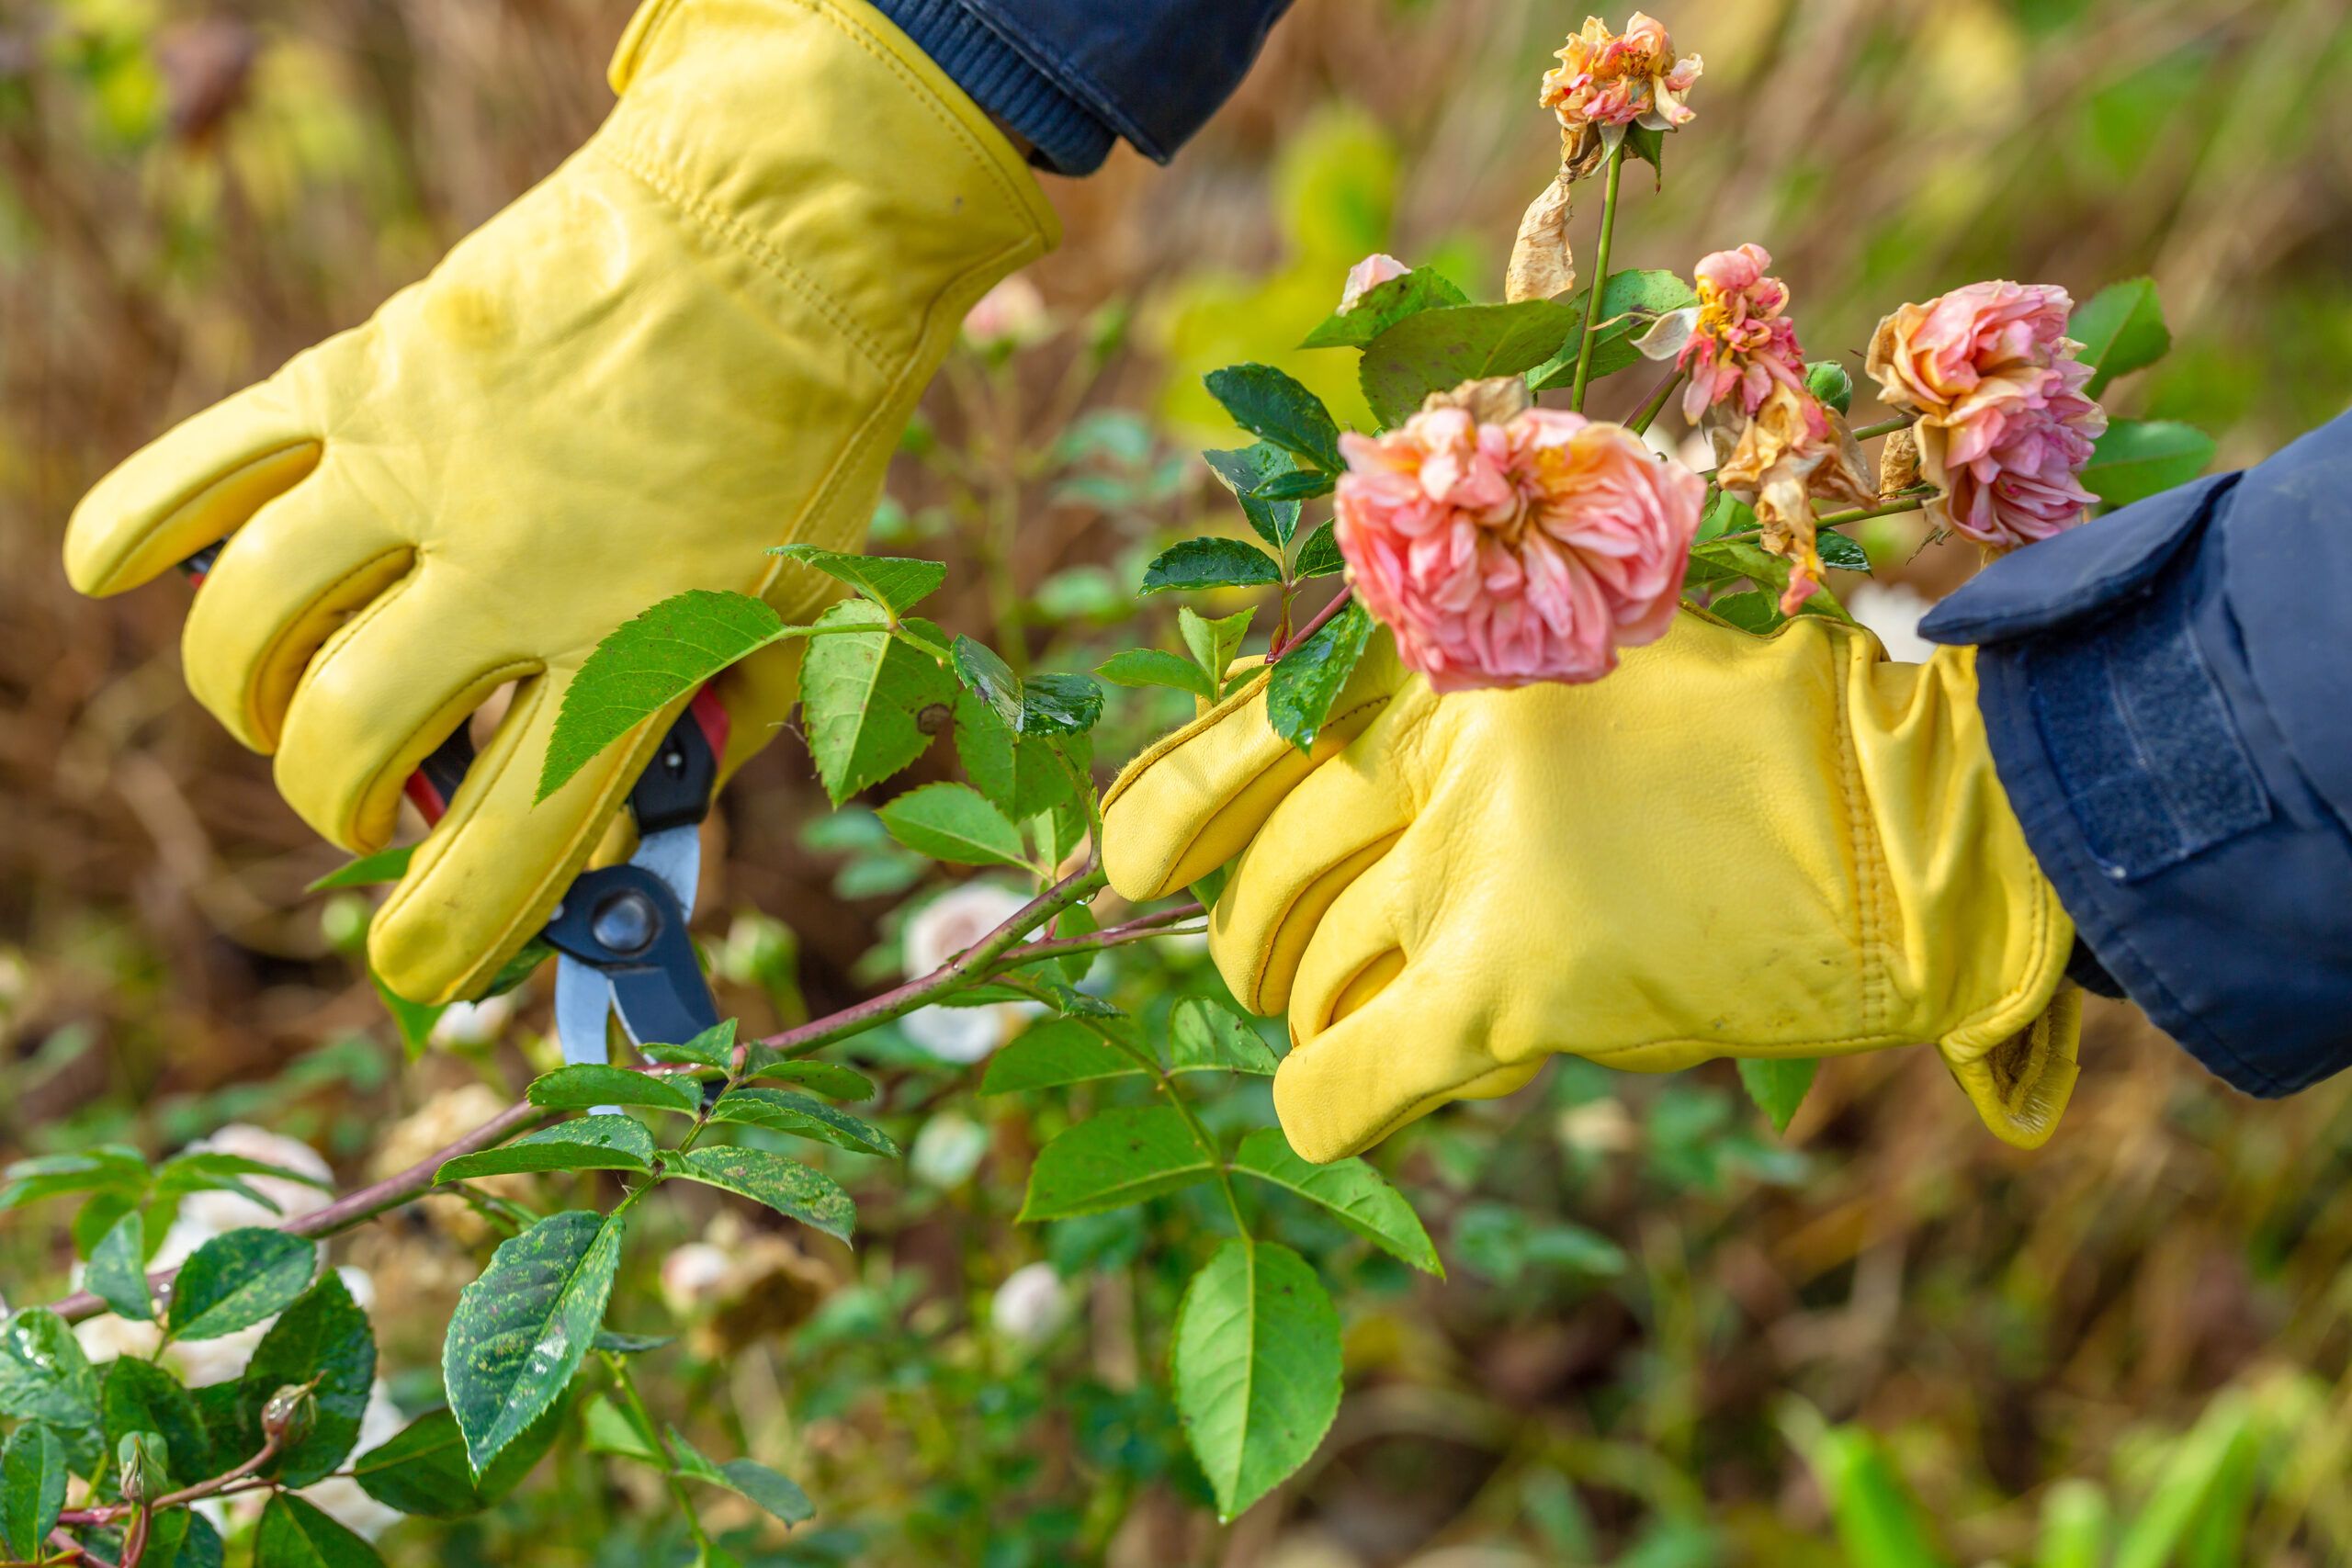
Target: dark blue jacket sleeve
2168, 694
1074, 75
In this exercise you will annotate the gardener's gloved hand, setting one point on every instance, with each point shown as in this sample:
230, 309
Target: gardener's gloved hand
697, 339
1784, 846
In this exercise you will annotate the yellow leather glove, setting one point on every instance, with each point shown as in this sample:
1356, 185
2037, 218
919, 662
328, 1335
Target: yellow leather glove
698, 338
1741, 846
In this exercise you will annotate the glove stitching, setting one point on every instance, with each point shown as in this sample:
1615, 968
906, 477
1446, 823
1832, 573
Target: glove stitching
669, 184
1862, 847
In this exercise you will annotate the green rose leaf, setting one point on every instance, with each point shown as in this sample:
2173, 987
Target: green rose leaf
1384, 305
989, 678
43, 1375
1752, 611
892, 581
422, 1469
1245, 470
1320, 557
646, 665
107, 1169
585, 1084
141, 1396
1058, 703
1778, 1085
1306, 484
1435, 351
1156, 666
1306, 681
1840, 551
293, 1534
1206, 1036
117, 1273
803, 1118
745, 1478
714, 1047
1257, 1368
786, 1186
520, 1329
829, 1078
867, 699
1630, 305
2122, 329
956, 823
239, 1277
1271, 404
324, 1336
2137, 458
1349, 1189
1211, 563
585, 1143
1214, 643
1119, 1157
1054, 1053
367, 871
32, 1489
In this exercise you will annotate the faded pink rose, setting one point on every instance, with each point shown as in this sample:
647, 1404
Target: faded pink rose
2004, 426
1607, 79
1741, 339
2027, 484
1011, 315
1369, 274
1505, 553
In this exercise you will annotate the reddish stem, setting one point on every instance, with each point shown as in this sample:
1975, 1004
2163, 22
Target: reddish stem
1339, 602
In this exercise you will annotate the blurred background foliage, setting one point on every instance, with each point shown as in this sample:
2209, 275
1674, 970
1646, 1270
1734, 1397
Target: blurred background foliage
1669, 1340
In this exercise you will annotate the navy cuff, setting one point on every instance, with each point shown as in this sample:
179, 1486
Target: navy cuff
1068, 138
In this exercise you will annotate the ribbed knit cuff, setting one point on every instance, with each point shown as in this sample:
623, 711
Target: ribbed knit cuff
1069, 140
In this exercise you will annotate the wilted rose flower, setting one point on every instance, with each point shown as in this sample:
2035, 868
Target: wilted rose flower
1793, 449
1606, 82
1369, 274
2026, 485
2004, 426
1742, 341
1505, 545
736, 1287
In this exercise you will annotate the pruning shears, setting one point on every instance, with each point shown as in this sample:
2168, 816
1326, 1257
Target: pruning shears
620, 931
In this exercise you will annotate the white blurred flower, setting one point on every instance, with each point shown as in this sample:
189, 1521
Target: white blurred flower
947, 1150
214, 1212
937, 933
1030, 1305
692, 1277
1011, 315
1892, 613
474, 1023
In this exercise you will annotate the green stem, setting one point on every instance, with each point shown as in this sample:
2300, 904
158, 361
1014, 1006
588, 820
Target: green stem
1888, 509
1883, 427
1649, 411
1599, 275
1202, 1136
627, 1385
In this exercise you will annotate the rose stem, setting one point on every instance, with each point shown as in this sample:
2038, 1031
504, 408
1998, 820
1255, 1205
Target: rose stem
1599, 275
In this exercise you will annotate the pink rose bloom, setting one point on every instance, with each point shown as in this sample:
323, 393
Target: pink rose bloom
2004, 426
1606, 79
1741, 340
1368, 274
1501, 554
2025, 484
